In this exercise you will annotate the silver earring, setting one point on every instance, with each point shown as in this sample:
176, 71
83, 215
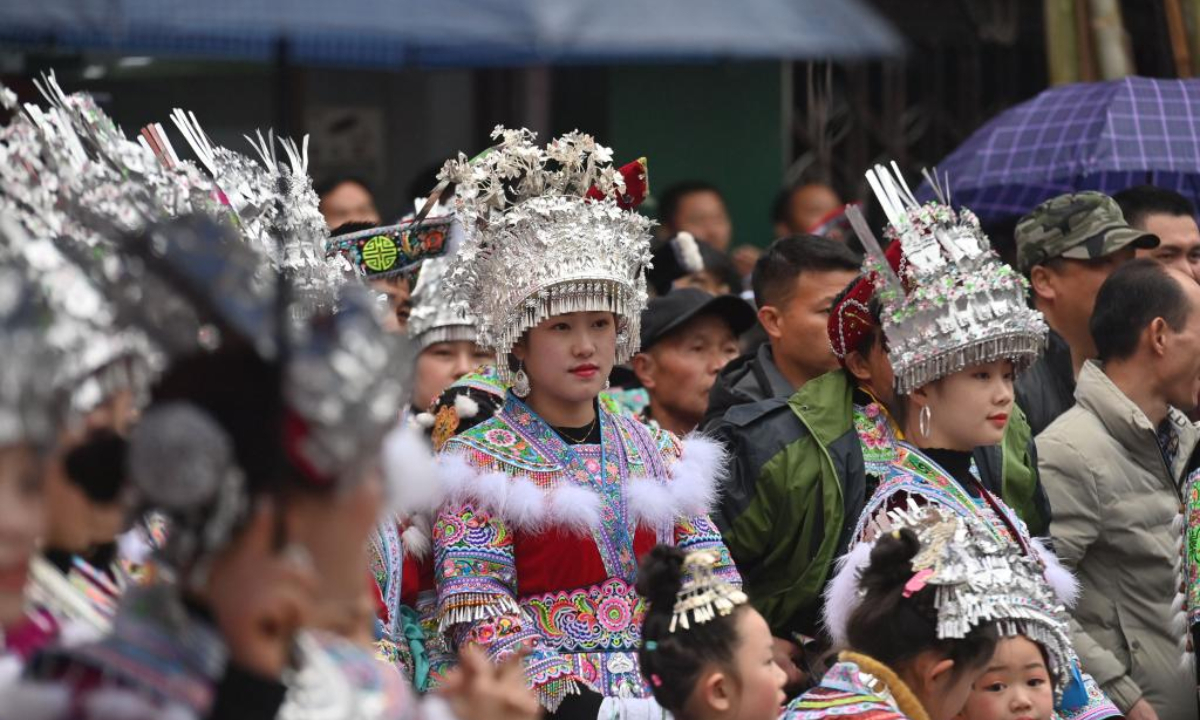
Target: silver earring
520, 386
923, 420
607, 384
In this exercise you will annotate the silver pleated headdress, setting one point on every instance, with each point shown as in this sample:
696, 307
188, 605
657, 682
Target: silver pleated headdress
548, 231
437, 315
979, 578
175, 258
956, 303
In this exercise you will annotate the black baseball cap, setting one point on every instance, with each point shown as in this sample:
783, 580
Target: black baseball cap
672, 311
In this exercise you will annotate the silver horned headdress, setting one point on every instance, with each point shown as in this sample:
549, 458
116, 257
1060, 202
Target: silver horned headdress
549, 231
954, 303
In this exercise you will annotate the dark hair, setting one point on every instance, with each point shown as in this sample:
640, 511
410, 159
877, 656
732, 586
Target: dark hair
665, 268
330, 184
672, 197
1138, 202
892, 628
1129, 300
241, 392
353, 226
775, 272
781, 206
425, 181
97, 465
671, 662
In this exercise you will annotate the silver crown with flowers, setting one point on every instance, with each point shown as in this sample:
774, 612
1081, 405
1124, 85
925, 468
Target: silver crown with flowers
544, 236
955, 303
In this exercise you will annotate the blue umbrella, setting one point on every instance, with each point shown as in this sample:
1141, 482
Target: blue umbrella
1090, 136
389, 33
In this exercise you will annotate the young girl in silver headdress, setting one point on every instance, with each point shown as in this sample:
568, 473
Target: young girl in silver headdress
921, 619
551, 502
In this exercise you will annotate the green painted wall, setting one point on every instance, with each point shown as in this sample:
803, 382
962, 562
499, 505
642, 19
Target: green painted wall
720, 123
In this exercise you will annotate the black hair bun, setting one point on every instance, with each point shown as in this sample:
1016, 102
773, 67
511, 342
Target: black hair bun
661, 576
891, 561
97, 466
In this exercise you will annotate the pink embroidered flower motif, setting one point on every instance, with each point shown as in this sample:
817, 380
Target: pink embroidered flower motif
614, 615
592, 465
500, 437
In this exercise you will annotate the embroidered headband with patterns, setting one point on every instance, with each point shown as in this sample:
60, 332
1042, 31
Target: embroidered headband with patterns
385, 252
703, 596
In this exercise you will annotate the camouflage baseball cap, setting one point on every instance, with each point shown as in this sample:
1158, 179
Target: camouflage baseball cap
1080, 226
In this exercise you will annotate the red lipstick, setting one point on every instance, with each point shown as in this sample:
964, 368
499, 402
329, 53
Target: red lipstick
586, 370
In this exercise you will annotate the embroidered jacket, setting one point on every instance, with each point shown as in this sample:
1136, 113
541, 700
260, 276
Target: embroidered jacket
843, 693
539, 541
402, 567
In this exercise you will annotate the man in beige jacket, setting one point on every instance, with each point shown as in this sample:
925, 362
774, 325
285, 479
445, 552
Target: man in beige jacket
1111, 466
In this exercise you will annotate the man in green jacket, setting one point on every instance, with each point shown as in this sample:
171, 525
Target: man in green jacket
801, 470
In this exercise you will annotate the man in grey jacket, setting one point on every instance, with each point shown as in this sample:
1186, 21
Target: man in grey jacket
1111, 466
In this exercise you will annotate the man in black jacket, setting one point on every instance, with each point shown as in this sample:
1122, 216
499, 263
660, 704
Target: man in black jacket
795, 283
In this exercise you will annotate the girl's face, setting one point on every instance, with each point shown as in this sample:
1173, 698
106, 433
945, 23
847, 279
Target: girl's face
568, 357
21, 522
1016, 685
762, 680
440, 364
969, 409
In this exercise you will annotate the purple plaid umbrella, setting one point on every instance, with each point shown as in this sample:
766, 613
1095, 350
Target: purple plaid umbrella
1090, 136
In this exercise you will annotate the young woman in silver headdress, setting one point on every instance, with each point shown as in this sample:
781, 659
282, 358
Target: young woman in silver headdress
957, 330
550, 503
260, 447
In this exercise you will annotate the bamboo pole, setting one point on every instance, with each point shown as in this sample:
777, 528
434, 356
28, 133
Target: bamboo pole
1085, 42
1113, 57
1062, 53
1179, 40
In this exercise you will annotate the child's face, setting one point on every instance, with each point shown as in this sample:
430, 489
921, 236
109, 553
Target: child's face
1016, 685
761, 696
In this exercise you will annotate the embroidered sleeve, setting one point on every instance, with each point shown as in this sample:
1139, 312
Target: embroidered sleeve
477, 581
699, 533
698, 466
